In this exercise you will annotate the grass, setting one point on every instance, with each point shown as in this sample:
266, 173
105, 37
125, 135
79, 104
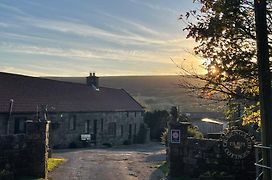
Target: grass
54, 162
164, 168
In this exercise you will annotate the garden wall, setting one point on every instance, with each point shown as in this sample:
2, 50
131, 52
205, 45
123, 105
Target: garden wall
25, 154
195, 157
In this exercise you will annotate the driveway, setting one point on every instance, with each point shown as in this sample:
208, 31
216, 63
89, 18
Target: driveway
121, 163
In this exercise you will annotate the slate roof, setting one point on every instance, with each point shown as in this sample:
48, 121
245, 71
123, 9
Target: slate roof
28, 92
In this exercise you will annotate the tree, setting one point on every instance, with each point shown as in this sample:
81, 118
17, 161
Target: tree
157, 122
225, 32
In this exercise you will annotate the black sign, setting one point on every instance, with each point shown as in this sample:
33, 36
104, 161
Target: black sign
237, 144
175, 136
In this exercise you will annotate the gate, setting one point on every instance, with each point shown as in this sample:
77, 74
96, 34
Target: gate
259, 160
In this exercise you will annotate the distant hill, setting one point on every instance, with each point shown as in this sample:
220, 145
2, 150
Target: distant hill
155, 92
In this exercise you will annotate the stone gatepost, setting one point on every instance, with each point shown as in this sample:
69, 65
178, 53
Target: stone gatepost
177, 139
37, 133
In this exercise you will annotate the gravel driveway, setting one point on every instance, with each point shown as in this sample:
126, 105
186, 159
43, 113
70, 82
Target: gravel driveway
121, 163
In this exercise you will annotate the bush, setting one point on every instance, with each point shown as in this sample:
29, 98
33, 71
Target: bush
164, 137
193, 131
107, 145
156, 121
126, 142
72, 145
141, 136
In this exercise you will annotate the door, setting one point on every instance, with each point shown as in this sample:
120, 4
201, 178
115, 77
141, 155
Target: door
94, 130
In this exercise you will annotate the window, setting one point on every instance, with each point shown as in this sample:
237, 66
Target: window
127, 114
20, 125
72, 122
87, 126
130, 131
112, 129
135, 129
135, 114
102, 125
122, 130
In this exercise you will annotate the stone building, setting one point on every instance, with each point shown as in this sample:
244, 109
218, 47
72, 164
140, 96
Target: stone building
80, 114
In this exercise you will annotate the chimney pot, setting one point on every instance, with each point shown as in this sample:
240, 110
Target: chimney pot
93, 81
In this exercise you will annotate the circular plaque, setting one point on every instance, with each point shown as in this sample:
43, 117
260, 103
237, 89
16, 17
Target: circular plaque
237, 144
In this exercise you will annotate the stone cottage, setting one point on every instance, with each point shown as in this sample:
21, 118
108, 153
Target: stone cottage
80, 114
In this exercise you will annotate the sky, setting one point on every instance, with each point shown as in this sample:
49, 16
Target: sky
110, 38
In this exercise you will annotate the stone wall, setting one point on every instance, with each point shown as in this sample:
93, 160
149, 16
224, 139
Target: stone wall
25, 154
194, 157
62, 136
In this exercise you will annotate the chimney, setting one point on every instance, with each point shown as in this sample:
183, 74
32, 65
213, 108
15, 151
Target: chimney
92, 81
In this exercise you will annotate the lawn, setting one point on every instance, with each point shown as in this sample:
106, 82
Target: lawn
54, 162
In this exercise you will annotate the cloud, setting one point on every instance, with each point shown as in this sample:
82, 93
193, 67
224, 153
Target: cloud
85, 31
155, 7
133, 25
95, 53
12, 9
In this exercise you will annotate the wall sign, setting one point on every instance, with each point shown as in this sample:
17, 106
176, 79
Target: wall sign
237, 144
175, 136
85, 137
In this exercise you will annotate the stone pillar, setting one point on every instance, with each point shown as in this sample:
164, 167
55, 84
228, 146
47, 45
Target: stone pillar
37, 142
177, 139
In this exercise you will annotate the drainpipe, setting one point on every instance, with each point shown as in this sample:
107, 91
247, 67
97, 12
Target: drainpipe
9, 117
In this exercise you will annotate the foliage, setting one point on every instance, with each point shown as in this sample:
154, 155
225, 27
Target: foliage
156, 121
164, 168
126, 142
194, 132
141, 136
225, 33
108, 145
216, 174
54, 162
72, 145
252, 114
164, 137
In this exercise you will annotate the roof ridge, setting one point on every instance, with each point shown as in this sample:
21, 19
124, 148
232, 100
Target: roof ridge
52, 80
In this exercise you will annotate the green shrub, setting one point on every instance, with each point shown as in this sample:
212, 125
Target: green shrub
164, 137
193, 131
107, 145
141, 136
72, 145
126, 142
156, 121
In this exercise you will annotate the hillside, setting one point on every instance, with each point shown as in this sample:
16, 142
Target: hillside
155, 92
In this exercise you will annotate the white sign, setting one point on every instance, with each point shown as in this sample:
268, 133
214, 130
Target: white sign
175, 136
85, 137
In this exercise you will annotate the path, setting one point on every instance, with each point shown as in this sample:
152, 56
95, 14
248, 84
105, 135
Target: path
134, 162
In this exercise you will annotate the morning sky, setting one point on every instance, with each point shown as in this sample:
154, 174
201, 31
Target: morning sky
109, 37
